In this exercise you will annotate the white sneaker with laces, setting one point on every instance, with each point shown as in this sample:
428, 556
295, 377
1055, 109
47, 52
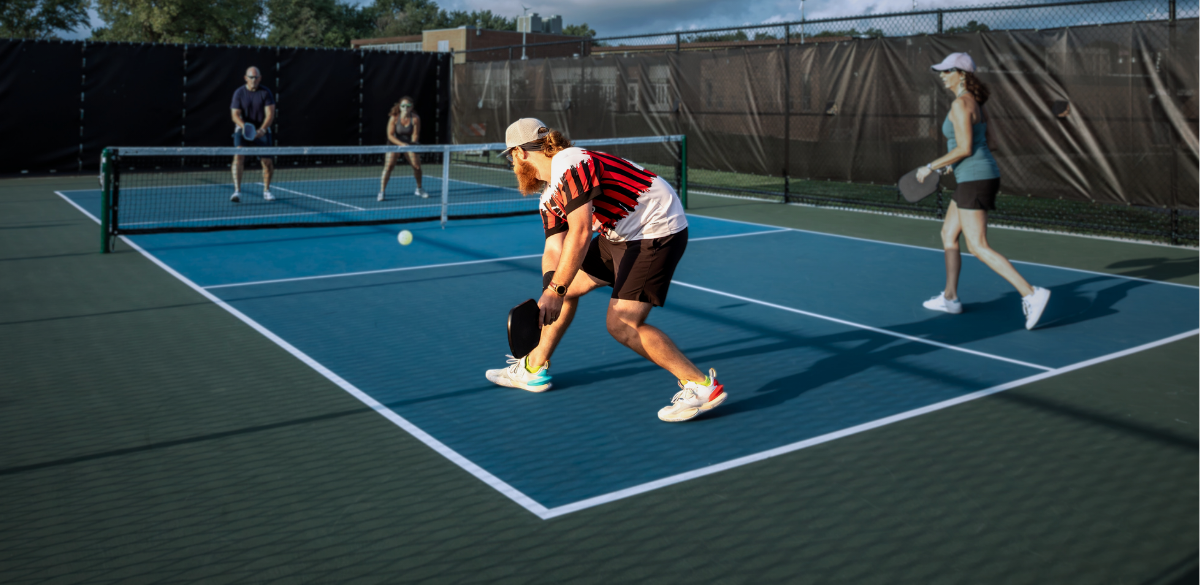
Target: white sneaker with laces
268, 196
237, 196
421, 193
1033, 305
517, 376
941, 303
694, 399
380, 197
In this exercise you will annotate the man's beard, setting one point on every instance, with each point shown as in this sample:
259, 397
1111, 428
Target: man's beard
527, 178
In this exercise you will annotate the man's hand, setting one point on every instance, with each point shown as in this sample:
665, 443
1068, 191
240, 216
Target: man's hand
550, 305
259, 133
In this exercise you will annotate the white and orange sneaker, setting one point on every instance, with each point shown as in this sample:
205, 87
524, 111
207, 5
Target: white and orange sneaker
694, 399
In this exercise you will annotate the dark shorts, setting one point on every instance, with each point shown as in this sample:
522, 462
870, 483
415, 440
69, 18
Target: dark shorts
265, 140
977, 194
640, 270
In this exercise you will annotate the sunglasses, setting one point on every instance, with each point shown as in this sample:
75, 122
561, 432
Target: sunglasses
251, 77
405, 106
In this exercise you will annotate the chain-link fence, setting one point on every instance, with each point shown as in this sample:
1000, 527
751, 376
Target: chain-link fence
1093, 109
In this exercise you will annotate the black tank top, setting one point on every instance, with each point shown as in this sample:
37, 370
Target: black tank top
404, 133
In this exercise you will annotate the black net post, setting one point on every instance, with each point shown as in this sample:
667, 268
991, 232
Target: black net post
787, 109
105, 199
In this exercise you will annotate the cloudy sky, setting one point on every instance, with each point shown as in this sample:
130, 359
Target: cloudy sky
628, 17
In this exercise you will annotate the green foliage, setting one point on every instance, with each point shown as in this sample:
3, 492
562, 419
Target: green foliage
717, 37
180, 21
852, 32
485, 19
295, 23
39, 19
315, 23
579, 30
972, 26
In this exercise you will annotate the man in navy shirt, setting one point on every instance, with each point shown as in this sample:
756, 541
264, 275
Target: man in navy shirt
255, 105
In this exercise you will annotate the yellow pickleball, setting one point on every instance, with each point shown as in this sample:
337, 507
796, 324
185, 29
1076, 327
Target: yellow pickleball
405, 237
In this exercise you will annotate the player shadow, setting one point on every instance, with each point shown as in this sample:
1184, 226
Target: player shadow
1159, 268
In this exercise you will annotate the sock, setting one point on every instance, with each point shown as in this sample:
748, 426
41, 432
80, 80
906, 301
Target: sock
531, 369
707, 381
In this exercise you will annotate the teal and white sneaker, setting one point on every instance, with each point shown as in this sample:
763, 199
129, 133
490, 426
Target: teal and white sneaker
517, 376
694, 399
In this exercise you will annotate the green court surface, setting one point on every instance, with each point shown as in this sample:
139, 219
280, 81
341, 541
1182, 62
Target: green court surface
149, 436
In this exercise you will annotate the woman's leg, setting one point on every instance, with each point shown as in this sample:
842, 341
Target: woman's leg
974, 227
389, 162
416, 165
951, 228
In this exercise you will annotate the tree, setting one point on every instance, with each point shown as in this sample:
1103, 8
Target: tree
579, 30
485, 19
315, 23
852, 33
39, 19
180, 21
972, 26
400, 18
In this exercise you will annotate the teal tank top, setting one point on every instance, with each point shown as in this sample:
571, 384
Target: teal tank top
980, 165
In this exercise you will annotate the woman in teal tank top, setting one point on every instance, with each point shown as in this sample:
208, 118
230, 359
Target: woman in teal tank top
978, 175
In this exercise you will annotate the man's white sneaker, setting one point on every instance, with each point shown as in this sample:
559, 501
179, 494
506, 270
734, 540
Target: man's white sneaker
380, 197
421, 193
694, 399
237, 196
268, 196
1033, 305
517, 376
941, 303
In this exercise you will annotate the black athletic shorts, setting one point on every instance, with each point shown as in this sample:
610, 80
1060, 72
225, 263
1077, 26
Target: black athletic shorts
640, 270
977, 194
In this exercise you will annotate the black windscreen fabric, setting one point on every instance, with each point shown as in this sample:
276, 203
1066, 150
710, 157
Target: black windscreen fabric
317, 97
40, 101
213, 73
389, 76
133, 96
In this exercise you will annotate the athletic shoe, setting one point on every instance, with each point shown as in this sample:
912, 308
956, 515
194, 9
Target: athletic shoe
380, 197
516, 376
268, 196
237, 196
1033, 305
941, 303
421, 193
693, 400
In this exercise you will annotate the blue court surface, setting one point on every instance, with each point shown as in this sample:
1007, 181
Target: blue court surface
814, 336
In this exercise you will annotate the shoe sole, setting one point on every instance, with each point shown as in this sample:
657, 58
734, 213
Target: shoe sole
508, 383
703, 408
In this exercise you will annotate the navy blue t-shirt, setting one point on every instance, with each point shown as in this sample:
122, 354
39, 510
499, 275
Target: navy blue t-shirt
253, 104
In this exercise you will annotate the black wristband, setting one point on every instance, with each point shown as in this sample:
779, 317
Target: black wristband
546, 278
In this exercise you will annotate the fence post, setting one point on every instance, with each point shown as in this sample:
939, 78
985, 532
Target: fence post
1171, 9
677, 42
939, 22
787, 110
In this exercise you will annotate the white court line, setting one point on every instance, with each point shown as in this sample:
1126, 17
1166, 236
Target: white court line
354, 207
861, 326
386, 270
547, 513
760, 456
382, 271
496, 483
297, 214
939, 250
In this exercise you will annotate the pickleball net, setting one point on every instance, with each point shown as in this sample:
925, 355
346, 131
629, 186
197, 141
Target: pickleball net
160, 190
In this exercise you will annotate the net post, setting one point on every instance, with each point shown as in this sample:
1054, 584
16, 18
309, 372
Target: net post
105, 198
683, 166
445, 185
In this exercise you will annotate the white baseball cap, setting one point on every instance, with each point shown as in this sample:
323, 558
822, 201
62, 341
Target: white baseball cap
960, 61
523, 132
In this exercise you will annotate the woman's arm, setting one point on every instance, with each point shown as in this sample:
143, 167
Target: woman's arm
960, 118
391, 132
416, 122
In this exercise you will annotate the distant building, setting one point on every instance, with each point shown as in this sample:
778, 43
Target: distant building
466, 40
